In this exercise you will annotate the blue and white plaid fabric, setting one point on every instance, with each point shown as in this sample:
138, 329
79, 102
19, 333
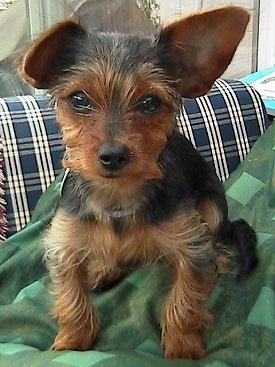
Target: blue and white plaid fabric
223, 126
32, 153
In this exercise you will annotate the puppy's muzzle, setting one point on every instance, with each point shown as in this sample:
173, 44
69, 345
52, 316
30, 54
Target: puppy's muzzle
113, 156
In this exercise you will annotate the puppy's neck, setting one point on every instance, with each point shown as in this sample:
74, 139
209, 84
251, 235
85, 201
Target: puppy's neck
112, 202
103, 201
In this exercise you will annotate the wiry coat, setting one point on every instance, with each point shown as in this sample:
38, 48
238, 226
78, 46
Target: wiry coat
136, 190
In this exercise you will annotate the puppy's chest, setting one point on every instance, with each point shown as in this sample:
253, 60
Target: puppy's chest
130, 240
121, 238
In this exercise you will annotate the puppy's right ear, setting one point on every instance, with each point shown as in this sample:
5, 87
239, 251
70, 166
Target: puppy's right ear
50, 54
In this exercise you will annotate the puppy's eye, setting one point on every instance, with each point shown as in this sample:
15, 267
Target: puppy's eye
149, 104
80, 102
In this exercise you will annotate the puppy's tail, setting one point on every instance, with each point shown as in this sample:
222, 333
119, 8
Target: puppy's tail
245, 238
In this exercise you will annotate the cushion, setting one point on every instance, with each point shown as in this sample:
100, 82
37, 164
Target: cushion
225, 124
32, 153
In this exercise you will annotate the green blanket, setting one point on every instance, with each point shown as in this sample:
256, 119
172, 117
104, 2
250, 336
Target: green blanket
243, 333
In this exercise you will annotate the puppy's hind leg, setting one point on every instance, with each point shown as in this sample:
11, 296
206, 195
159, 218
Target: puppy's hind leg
66, 254
245, 238
105, 274
215, 214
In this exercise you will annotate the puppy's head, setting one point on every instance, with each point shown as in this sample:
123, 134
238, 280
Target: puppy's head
117, 95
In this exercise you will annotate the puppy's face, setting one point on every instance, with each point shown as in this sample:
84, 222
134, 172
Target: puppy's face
117, 95
116, 108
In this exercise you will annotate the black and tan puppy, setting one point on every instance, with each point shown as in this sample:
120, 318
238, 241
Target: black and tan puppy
136, 190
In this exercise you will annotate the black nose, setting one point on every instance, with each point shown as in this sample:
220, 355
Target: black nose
113, 156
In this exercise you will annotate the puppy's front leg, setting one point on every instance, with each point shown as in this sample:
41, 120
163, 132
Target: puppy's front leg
66, 254
184, 317
188, 246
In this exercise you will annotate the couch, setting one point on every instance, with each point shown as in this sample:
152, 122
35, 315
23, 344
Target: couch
229, 128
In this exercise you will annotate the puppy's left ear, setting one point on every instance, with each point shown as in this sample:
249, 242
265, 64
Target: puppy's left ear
196, 50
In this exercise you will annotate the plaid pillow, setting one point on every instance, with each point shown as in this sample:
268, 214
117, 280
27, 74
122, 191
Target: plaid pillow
32, 154
223, 126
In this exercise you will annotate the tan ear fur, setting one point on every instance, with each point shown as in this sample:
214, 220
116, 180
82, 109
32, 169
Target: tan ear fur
201, 47
41, 62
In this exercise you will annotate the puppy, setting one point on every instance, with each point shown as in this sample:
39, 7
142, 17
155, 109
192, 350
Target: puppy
136, 191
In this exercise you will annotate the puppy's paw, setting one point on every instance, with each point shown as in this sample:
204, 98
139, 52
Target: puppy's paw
67, 342
79, 339
178, 345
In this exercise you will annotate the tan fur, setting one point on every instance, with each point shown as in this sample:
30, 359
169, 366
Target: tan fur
210, 214
83, 256
186, 242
